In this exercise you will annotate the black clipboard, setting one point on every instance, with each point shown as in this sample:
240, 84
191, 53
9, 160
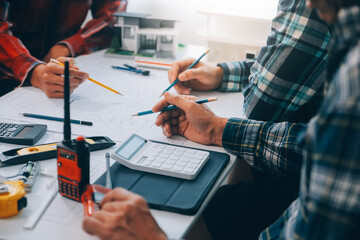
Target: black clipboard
169, 193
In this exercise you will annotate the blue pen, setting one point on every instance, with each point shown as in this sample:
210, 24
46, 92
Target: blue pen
56, 119
190, 67
174, 107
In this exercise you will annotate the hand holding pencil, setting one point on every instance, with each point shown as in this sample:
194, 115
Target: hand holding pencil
201, 77
48, 77
194, 121
90, 79
176, 80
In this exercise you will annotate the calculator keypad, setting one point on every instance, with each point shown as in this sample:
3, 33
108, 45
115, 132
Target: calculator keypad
6, 129
182, 161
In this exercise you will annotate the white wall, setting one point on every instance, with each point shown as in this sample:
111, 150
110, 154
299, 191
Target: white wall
185, 12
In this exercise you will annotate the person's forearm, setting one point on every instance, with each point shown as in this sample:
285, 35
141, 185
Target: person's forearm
286, 80
235, 75
97, 32
15, 57
265, 145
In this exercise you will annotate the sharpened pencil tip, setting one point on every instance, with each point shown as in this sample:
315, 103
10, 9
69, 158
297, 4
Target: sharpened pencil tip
135, 114
207, 51
161, 95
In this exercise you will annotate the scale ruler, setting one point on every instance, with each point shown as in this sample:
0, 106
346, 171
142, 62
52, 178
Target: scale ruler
44, 204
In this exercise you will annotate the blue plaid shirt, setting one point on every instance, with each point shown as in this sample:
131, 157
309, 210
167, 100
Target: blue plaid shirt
329, 202
285, 82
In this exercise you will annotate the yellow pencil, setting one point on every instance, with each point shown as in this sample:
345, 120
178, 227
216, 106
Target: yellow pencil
93, 80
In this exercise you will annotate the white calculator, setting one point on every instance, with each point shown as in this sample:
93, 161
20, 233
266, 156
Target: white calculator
144, 155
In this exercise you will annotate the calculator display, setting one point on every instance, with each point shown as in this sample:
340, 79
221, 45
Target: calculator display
24, 131
130, 147
165, 159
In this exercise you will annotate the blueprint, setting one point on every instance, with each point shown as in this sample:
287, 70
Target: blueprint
111, 115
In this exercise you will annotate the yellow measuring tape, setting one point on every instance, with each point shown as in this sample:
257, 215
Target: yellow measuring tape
12, 198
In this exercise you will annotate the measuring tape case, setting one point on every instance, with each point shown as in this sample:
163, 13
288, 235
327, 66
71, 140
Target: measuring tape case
14, 200
47, 151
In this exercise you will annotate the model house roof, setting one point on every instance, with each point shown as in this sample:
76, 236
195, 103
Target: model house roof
142, 16
131, 15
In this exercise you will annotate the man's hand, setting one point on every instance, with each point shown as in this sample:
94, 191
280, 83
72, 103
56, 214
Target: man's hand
202, 77
56, 52
49, 77
123, 215
194, 121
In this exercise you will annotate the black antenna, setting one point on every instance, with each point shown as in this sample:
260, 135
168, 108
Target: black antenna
67, 127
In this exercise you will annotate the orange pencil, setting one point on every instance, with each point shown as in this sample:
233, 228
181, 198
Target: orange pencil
92, 80
154, 63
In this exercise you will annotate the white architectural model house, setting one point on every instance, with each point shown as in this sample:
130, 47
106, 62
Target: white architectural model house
140, 35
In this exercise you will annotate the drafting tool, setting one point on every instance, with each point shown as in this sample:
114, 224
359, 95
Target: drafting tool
26, 171
73, 157
108, 173
91, 79
191, 66
174, 107
56, 119
26, 134
47, 151
42, 206
29, 173
12, 198
133, 69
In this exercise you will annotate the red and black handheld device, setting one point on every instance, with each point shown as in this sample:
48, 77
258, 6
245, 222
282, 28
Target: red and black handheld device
73, 157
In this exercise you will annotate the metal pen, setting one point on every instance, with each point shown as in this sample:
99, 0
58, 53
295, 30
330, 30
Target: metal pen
108, 175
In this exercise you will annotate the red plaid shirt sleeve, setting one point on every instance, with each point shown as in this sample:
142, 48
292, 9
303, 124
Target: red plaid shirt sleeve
15, 59
97, 32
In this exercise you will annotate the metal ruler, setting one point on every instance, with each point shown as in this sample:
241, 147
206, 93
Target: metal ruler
44, 204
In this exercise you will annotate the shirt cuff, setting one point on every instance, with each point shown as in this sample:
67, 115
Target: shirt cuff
27, 81
76, 45
22, 66
232, 78
240, 137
